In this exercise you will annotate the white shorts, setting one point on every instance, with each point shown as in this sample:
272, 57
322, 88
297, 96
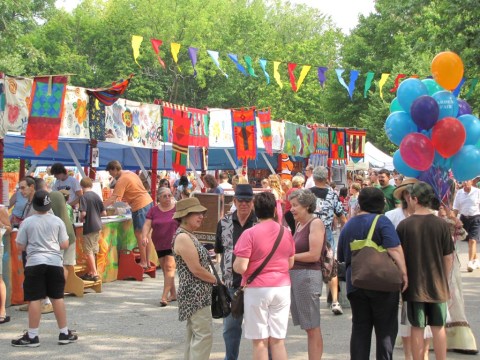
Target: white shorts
266, 312
69, 255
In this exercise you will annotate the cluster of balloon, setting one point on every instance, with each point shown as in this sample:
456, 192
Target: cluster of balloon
432, 127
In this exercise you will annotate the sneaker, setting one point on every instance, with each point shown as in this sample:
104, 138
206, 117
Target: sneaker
67, 339
47, 308
25, 341
23, 308
337, 308
472, 265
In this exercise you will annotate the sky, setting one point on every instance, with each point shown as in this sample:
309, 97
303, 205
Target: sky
343, 12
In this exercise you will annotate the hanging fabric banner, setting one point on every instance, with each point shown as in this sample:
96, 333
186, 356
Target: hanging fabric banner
156, 47
17, 92
198, 127
136, 42
244, 136
278, 135
220, 128
214, 56
109, 95
321, 75
381, 83
75, 120
248, 61
192, 54
291, 69
96, 114
181, 137
263, 65
356, 142
303, 75
264, 117
276, 74
397, 82
368, 83
459, 87
167, 122
239, 66
175, 49
338, 145
342, 82
472, 88
46, 110
321, 146
298, 140
351, 85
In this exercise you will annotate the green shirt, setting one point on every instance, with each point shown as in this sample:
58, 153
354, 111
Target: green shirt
390, 201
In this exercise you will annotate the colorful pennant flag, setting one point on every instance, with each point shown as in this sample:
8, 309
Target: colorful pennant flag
338, 146
473, 85
181, 137
109, 95
368, 83
276, 74
264, 116
291, 69
263, 65
381, 83
192, 54
356, 142
351, 85
46, 110
244, 136
321, 75
239, 66
175, 49
156, 47
342, 82
459, 87
248, 61
214, 56
136, 42
303, 75
397, 82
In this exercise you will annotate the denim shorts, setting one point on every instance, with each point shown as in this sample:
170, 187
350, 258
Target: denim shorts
331, 240
139, 217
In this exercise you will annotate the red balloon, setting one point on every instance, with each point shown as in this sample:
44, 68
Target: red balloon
448, 136
417, 151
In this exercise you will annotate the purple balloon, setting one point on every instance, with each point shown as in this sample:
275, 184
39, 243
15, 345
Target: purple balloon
425, 112
463, 108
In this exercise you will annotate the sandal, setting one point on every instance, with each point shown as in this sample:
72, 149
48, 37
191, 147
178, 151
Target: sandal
4, 319
171, 300
163, 303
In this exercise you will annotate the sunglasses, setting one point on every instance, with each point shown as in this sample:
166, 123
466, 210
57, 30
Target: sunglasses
243, 200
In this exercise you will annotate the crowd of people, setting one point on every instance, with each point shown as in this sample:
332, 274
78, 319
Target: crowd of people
308, 208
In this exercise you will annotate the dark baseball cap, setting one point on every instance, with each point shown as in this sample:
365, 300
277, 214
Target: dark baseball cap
41, 201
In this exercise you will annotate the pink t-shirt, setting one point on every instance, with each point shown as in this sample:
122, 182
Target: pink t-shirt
255, 244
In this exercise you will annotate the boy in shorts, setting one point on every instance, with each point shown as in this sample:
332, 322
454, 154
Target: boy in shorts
43, 236
91, 211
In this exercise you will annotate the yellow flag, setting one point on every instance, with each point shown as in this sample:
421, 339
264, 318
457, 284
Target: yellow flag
303, 75
136, 41
382, 82
276, 74
175, 48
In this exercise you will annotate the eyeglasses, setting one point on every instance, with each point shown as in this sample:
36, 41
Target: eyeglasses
166, 196
22, 187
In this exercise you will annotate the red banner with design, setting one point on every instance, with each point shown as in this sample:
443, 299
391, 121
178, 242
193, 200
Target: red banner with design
244, 133
181, 136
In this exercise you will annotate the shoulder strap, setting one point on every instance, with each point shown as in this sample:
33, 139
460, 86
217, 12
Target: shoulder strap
214, 270
372, 228
267, 259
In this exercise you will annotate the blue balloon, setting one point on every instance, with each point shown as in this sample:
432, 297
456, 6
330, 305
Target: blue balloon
472, 128
425, 112
408, 91
395, 106
447, 103
398, 125
441, 162
403, 168
466, 163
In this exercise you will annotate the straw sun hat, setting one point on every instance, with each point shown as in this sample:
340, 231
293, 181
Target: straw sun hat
397, 194
187, 206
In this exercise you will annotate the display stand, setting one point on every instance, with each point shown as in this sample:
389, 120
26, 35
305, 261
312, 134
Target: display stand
214, 204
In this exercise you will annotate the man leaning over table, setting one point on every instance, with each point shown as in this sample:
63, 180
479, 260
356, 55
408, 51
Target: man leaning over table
130, 189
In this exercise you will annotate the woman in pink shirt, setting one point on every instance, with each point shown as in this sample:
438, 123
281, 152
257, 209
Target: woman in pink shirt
267, 297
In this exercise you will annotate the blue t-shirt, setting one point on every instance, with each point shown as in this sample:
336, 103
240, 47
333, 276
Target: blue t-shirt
357, 229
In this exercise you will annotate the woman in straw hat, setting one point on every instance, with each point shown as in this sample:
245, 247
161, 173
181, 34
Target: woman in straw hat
195, 280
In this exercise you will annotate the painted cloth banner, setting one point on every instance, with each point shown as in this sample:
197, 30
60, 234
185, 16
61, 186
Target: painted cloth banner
278, 135
220, 129
198, 127
96, 115
321, 146
181, 135
298, 140
243, 122
17, 92
109, 95
356, 142
264, 118
167, 122
46, 111
338, 145
133, 123
75, 121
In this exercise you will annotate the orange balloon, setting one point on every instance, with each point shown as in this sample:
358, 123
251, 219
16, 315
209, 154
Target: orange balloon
447, 70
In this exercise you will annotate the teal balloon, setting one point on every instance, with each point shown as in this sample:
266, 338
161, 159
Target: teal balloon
403, 168
441, 162
447, 104
466, 163
432, 86
398, 125
408, 91
395, 106
472, 128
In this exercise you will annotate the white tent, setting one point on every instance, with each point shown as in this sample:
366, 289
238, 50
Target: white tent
377, 158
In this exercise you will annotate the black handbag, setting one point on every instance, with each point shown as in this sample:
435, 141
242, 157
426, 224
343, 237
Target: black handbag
220, 297
237, 306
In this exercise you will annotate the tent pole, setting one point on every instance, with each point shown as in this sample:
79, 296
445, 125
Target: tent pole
198, 178
234, 165
272, 170
75, 159
142, 168
92, 172
21, 171
33, 166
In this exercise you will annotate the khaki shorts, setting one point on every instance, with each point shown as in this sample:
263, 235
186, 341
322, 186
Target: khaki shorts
70, 255
90, 243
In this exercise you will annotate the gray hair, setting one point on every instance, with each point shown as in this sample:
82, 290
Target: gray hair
162, 190
305, 198
320, 173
